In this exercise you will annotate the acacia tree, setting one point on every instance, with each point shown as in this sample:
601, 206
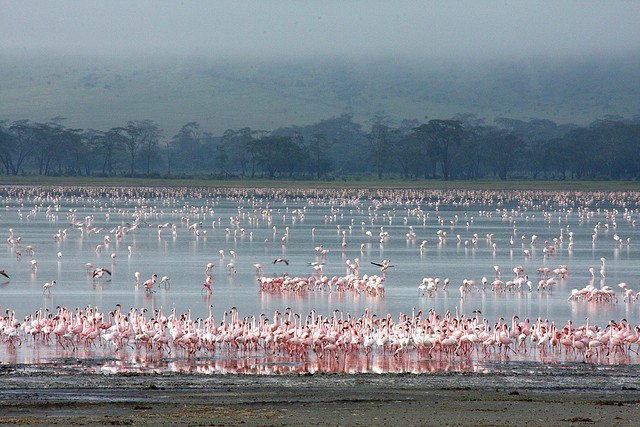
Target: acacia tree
441, 137
630, 152
68, 152
278, 154
379, 144
46, 138
406, 149
470, 155
57, 149
7, 145
91, 142
132, 138
294, 155
220, 158
255, 150
237, 144
409, 155
185, 147
269, 152
143, 137
346, 141
610, 137
319, 161
109, 144
555, 157
151, 145
502, 147
20, 145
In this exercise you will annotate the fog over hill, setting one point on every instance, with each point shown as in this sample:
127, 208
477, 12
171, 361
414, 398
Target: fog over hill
99, 92
267, 64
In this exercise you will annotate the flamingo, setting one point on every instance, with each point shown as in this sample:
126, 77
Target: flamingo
149, 284
165, 281
99, 272
207, 284
384, 265
232, 268
48, 286
259, 269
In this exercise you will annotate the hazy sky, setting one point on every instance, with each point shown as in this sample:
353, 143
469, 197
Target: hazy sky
276, 28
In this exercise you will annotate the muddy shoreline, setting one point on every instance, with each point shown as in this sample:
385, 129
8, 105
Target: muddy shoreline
580, 395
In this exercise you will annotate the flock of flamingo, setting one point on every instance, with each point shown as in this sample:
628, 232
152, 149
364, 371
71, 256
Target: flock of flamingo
430, 335
421, 336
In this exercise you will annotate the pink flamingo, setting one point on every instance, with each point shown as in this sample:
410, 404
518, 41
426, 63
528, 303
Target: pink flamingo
149, 284
48, 286
207, 284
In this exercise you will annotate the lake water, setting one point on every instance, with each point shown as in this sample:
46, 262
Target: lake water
248, 226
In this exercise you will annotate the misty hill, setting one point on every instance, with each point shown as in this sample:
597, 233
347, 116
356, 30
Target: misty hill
99, 93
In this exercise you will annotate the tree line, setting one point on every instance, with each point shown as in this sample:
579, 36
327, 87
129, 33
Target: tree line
463, 147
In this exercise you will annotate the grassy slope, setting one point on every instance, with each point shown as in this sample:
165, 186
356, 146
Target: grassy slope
101, 94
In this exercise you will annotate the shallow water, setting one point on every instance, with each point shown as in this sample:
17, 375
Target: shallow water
253, 224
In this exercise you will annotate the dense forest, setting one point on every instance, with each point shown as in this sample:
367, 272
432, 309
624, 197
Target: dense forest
462, 147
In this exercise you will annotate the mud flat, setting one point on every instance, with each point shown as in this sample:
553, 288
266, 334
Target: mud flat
522, 395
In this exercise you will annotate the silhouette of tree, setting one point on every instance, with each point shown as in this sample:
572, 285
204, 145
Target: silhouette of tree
7, 146
109, 145
185, 145
142, 136
278, 154
237, 145
379, 144
318, 147
502, 147
441, 137
20, 145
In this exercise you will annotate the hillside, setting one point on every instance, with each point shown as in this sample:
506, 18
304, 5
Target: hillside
98, 93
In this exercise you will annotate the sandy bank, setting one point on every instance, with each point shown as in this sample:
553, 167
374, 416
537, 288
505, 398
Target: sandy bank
575, 399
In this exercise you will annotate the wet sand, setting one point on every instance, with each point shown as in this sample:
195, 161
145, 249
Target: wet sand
578, 397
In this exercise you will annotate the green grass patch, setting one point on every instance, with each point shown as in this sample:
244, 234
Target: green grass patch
533, 185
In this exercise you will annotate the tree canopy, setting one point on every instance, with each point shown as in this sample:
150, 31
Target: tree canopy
463, 147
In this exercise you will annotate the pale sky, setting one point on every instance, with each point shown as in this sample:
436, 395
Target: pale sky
358, 28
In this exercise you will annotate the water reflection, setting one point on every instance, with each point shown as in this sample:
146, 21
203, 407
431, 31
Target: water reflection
236, 363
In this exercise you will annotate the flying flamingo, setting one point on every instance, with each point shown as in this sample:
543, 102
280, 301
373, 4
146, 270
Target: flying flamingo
384, 265
99, 272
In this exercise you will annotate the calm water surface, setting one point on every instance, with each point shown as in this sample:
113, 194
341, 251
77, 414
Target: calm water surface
252, 224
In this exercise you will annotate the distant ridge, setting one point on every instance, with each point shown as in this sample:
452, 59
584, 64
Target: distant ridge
98, 93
